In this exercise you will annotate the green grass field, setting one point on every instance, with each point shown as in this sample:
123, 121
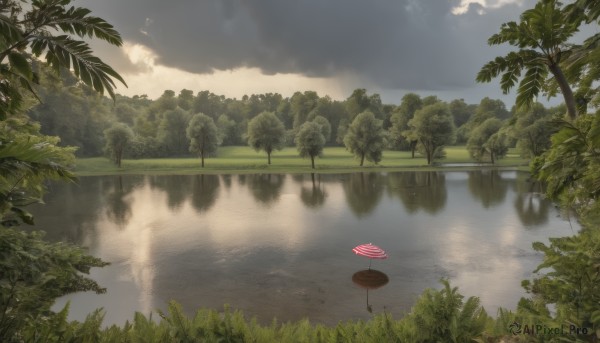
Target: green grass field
245, 160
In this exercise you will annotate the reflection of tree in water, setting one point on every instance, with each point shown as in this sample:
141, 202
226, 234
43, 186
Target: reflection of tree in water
265, 188
532, 208
177, 188
205, 189
315, 196
419, 190
242, 179
71, 210
363, 192
299, 178
488, 186
226, 179
118, 204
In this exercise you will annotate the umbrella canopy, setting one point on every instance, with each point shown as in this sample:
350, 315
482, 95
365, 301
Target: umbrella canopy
369, 250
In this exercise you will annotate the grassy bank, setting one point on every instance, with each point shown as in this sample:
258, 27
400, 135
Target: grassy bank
245, 160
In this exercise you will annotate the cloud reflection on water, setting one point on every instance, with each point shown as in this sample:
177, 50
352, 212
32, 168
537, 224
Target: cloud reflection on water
276, 245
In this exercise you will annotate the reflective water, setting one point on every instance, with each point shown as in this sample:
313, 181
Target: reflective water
281, 245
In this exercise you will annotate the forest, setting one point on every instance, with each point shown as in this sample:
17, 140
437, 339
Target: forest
157, 128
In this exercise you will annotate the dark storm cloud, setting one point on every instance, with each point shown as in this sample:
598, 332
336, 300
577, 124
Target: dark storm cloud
402, 44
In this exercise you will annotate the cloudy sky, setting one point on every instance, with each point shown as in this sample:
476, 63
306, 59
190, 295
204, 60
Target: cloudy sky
237, 47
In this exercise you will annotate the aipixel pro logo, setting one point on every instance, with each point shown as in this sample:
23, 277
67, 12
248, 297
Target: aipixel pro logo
516, 328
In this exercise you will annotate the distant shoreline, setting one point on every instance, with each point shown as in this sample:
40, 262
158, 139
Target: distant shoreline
244, 160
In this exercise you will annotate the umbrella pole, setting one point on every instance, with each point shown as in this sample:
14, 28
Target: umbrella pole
370, 260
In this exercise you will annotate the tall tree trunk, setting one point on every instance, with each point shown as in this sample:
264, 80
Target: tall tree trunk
565, 89
312, 160
269, 157
362, 159
428, 151
202, 158
413, 147
492, 156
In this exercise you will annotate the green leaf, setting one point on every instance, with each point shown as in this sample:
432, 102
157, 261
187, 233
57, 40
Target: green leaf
63, 51
530, 86
9, 31
25, 216
20, 64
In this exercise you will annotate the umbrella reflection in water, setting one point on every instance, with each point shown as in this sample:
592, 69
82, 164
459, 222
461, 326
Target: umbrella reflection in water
370, 279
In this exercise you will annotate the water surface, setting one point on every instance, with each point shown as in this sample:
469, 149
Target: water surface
281, 245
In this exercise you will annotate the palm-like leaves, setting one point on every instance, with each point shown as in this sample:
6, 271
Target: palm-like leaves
582, 65
26, 160
588, 10
541, 36
442, 316
62, 51
25, 163
34, 29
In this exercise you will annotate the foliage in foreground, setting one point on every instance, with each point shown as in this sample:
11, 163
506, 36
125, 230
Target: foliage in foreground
438, 316
33, 273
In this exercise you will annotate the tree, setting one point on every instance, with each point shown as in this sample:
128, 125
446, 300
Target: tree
572, 283
166, 102
541, 36
568, 277
310, 141
461, 112
301, 104
359, 102
185, 99
118, 136
71, 110
433, 126
125, 113
582, 68
203, 135
228, 130
430, 100
28, 32
34, 273
325, 126
490, 108
171, 131
400, 131
479, 143
27, 160
497, 145
365, 138
532, 129
266, 132
208, 103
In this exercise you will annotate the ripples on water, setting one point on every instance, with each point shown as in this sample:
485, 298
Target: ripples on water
281, 245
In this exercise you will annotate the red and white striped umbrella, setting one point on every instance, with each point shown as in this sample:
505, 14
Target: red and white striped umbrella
371, 251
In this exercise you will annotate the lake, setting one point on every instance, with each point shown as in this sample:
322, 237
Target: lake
281, 245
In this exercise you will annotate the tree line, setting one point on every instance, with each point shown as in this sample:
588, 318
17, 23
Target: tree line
188, 124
